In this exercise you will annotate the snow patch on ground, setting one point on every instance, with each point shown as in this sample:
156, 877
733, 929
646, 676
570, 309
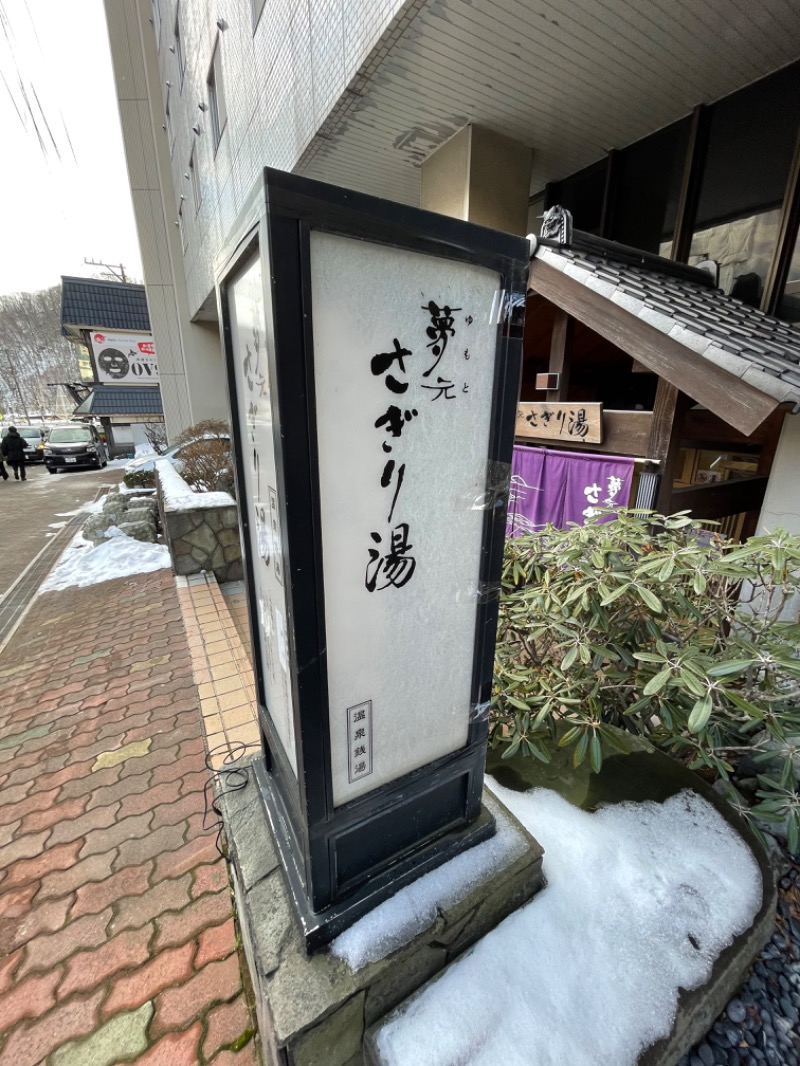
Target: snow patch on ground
641, 899
92, 507
85, 564
397, 921
56, 525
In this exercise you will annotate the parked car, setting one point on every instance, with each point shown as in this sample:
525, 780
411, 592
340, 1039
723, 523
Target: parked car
143, 463
69, 446
33, 436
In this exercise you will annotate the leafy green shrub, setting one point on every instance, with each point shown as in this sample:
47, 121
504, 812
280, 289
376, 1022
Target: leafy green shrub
648, 624
140, 479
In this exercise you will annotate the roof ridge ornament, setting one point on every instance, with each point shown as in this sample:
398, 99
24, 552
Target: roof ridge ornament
557, 225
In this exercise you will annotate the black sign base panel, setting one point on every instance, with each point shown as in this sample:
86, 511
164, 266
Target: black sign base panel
320, 927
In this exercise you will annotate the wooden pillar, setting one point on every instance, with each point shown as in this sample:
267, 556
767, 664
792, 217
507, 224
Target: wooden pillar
561, 354
664, 444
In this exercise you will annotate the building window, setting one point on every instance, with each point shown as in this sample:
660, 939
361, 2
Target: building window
194, 178
179, 46
169, 128
182, 228
216, 95
257, 7
582, 195
751, 143
647, 188
157, 21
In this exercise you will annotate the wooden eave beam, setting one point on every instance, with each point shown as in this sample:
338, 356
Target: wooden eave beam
624, 433
733, 400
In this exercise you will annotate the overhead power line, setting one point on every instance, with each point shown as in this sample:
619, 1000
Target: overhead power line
23, 94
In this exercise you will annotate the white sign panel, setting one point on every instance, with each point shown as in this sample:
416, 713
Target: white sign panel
251, 371
404, 356
125, 358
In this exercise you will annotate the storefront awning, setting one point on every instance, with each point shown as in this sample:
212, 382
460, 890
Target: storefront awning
88, 303
737, 361
116, 400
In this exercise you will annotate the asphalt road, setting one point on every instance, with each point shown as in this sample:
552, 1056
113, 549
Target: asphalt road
34, 511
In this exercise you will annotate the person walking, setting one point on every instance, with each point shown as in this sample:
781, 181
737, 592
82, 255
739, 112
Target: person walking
3, 471
13, 450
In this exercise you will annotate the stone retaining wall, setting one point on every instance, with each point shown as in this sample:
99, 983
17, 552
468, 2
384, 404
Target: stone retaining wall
314, 1010
201, 529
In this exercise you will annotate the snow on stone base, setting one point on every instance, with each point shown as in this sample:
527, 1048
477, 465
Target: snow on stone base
641, 899
397, 921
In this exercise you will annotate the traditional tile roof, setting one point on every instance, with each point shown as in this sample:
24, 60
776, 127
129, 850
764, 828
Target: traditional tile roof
110, 400
87, 303
682, 303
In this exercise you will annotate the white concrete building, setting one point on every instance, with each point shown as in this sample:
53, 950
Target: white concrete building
470, 107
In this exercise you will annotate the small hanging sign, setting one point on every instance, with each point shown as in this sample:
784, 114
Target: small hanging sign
576, 423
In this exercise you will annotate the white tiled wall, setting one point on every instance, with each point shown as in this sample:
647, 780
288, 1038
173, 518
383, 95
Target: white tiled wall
145, 170
280, 84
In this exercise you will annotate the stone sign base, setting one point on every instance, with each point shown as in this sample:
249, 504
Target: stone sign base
314, 1010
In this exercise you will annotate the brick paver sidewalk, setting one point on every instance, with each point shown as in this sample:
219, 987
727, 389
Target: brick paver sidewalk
116, 930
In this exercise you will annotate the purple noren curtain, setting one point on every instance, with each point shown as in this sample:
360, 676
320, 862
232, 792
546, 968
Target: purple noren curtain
563, 487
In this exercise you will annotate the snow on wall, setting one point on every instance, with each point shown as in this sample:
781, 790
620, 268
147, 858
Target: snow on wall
177, 495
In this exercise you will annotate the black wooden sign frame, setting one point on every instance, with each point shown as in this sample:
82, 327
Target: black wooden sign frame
341, 861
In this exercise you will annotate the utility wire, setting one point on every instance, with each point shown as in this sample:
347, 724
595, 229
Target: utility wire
26, 101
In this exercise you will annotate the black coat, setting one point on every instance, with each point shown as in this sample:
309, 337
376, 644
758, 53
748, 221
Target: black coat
13, 448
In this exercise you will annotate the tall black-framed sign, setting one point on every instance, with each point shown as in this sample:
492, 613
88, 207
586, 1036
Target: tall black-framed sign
373, 390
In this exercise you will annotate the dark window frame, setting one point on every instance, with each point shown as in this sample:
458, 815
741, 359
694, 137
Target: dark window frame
182, 228
215, 88
194, 180
157, 20
686, 220
179, 52
168, 126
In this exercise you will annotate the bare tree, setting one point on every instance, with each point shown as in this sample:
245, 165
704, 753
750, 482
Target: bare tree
206, 455
156, 433
33, 351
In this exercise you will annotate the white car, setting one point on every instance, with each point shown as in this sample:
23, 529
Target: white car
142, 463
